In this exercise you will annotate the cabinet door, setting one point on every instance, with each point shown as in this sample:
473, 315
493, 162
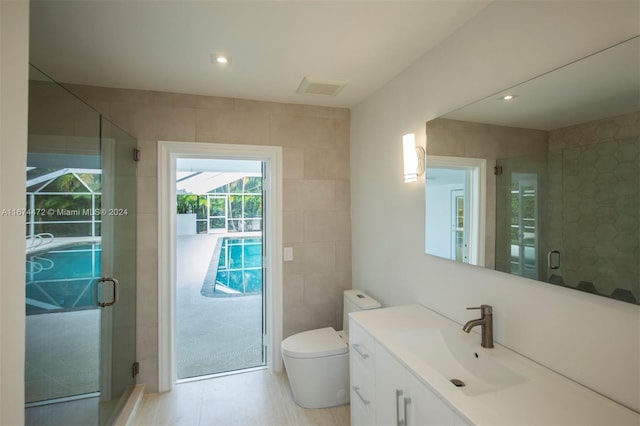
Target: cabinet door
425, 407
362, 365
362, 393
390, 387
362, 413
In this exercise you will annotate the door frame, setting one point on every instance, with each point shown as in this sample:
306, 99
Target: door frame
476, 188
168, 152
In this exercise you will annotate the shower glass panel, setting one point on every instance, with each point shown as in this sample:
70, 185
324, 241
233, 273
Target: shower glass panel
520, 217
80, 216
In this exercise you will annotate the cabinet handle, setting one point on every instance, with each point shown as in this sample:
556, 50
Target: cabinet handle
364, 355
356, 389
398, 396
407, 401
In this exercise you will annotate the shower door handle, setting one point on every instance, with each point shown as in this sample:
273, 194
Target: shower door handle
97, 284
550, 259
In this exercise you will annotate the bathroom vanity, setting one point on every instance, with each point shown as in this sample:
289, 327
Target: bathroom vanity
412, 366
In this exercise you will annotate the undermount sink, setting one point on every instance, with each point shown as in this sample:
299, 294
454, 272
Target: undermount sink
459, 358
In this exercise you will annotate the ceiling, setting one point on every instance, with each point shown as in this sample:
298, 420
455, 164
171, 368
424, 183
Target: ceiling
166, 45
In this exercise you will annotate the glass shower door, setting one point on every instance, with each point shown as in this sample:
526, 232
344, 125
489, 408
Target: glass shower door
81, 229
63, 257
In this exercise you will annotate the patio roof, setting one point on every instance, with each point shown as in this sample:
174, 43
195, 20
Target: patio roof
204, 175
205, 182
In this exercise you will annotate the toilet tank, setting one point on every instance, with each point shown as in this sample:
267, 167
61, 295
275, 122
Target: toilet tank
356, 300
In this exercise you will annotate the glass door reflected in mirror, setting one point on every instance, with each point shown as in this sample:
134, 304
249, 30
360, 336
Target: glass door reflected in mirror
454, 220
459, 231
521, 222
524, 225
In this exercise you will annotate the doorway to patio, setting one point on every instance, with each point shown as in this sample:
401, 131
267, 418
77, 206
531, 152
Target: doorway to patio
219, 281
220, 299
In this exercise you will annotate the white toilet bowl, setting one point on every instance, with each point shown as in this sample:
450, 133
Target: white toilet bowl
317, 361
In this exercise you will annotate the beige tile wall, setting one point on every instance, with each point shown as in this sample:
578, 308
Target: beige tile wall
316, 195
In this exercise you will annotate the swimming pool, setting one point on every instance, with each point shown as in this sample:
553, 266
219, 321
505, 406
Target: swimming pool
239, 268
60, 279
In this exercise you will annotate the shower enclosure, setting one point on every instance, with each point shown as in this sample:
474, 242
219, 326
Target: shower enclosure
573, 218
80, 261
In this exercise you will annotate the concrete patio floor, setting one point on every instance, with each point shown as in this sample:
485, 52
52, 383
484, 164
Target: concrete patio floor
62, 354
214, 334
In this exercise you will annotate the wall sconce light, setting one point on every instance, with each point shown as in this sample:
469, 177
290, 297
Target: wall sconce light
413, 158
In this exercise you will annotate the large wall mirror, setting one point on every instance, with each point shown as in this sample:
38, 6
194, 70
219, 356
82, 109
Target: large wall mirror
561, 182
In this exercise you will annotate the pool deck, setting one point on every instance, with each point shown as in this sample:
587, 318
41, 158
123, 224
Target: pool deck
213, 335
62, 352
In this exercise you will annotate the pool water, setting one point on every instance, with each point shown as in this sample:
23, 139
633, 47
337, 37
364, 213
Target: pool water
240, 266
61, 279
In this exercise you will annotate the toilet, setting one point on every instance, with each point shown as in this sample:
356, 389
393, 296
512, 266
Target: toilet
317, 361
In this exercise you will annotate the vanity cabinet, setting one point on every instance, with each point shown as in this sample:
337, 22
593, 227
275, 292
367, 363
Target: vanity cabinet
402, 358
401, 399
385, 392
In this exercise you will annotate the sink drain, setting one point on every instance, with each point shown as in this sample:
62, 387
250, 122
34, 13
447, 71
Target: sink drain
459, 383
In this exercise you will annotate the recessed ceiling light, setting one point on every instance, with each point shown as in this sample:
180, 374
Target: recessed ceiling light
219, 58
507, 97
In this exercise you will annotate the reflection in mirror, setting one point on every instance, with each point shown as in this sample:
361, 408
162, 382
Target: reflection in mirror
562, 178
457, 186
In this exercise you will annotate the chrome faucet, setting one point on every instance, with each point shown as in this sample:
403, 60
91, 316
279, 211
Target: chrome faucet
486, 322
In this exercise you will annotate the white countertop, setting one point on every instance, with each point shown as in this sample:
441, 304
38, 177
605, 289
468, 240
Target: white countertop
544, 398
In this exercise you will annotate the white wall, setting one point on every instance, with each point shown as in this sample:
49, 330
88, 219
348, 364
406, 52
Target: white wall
591, 339
14, 61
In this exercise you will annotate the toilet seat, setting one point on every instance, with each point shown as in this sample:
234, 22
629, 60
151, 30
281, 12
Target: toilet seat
322, 342
317, 361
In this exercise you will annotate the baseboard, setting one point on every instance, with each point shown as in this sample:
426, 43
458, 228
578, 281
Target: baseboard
128, 413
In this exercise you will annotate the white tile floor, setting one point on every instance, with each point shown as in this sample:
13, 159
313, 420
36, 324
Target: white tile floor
246, 399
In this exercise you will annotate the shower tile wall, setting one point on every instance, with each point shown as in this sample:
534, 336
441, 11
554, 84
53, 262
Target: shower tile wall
594, 173
316, 194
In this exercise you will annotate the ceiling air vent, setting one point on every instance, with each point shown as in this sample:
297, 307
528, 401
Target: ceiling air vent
314, 86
